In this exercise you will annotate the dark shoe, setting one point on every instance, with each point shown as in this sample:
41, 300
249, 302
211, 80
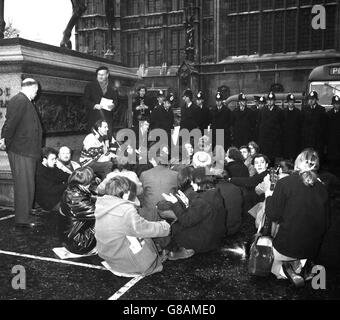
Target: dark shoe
306, 271
181, 253
31, 225
294, 278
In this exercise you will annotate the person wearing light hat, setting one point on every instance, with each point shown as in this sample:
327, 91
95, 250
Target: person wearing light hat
243, 122
291, 127
201, 159
190, 112
204, 111
270, 129
313, 128
162, 117
220, 116
333, 136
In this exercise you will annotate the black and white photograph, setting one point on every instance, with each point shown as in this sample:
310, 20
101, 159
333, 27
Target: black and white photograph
171, 155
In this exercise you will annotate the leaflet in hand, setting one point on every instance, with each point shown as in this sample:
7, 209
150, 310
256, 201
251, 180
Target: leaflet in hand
107, 104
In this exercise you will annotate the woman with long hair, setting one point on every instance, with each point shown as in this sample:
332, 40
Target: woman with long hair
299, 204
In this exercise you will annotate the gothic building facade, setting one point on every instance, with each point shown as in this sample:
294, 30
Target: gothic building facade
240, 45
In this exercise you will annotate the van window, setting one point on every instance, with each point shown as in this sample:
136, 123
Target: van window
326, 90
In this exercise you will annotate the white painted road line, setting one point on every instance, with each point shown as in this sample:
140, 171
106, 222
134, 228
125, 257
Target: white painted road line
91, 266
125, 288
8, 217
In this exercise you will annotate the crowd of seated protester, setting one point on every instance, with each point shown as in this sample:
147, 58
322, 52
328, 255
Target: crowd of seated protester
138, 214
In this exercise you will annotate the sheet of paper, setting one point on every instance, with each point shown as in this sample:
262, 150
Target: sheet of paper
107, 104
63, 253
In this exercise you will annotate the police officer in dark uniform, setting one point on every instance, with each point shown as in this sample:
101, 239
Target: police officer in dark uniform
291, 129
162, 116
243, 122
333, 136
190, 112
270, 129
220, 116
260, 104
314, 122
141, 106
204, 112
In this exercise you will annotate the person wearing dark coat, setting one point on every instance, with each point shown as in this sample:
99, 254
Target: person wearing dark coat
300, 205
51, 181
291, 129
314, 122
102, 87
248, 184
141, 106
220, 117
233, 205
243, 122
260, 105
204, 112
235, 166
270, 129
76, 213
333, 136
190, 112
22, 137
200, 213
162, 117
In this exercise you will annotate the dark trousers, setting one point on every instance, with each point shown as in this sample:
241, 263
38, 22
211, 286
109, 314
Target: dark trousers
101, 169
23, 172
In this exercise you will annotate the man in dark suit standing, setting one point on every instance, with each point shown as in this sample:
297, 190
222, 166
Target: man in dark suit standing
243, 122
314, 120
270, 129
22, 135
204, 112
162, 117
333, 136
220, 119
190, 113
291, 130
101, 99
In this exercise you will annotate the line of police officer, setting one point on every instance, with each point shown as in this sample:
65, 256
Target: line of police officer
279, 132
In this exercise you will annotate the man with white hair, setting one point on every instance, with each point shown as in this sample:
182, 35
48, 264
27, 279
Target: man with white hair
22, 134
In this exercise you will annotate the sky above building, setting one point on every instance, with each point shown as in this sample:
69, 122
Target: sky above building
40, 20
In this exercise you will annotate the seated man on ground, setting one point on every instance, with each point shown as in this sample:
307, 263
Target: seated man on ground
51, 182
200, 225
235, 166
96, 150
248, 159
123, 236
122, 170
76, 213
156, 181
64, 161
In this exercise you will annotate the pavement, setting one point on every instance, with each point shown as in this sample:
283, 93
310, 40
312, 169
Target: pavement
218, 275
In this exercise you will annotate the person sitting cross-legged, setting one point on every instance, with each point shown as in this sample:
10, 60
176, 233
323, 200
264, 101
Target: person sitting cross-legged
123, 236
96, 150
200, 213
51, 182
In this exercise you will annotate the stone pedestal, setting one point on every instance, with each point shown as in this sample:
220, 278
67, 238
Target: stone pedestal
62, 75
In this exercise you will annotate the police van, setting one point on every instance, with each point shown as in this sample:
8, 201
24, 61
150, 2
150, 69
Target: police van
325, 80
